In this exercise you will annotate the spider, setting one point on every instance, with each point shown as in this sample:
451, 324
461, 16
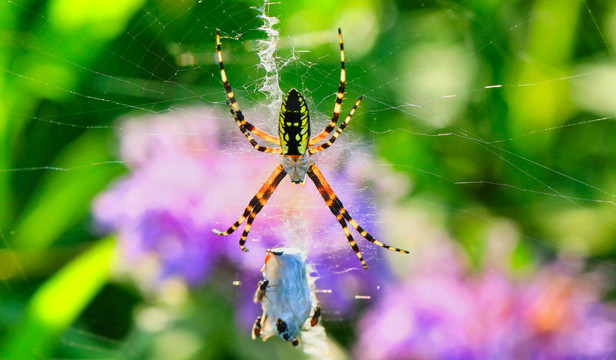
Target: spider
296, 147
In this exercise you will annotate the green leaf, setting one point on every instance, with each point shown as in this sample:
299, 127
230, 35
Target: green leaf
58, 302
64, 197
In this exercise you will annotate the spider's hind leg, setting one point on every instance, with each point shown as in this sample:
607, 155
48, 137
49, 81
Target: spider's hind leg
363, 232
324, 190
337, 208
255, 205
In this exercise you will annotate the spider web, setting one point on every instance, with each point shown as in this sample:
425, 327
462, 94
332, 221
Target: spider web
426, 92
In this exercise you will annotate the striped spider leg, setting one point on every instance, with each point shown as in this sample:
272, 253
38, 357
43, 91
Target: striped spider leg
343, 216
234, 108
255, 205
296, 147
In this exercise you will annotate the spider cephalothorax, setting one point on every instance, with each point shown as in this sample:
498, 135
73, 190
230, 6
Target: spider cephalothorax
296, 147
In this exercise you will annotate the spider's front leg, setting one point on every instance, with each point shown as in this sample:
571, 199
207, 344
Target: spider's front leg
339, 96
255, 205
333, 138
249, 137
234, 107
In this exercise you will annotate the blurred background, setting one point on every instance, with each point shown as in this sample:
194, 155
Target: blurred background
484, 145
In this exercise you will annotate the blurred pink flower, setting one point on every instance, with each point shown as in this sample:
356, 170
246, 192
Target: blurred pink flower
451, 315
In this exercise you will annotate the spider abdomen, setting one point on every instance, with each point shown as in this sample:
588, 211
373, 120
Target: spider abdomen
294, 125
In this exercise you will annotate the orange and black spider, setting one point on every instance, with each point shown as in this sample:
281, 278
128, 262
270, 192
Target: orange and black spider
296, 147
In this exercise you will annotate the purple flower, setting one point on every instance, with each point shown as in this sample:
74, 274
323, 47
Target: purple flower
192, 171
452, 315
173, 196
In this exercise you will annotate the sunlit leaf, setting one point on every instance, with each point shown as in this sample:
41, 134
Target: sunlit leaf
64, 197
58, 302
